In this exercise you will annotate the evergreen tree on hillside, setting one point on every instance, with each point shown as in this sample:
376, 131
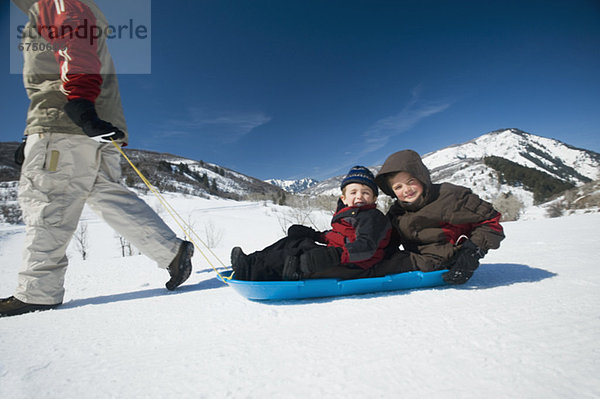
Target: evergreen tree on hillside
541, 184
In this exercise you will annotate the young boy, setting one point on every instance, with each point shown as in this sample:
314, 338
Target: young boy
356, 242
439, 225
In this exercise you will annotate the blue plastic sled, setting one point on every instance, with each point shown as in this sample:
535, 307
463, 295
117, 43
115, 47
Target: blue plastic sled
318, 288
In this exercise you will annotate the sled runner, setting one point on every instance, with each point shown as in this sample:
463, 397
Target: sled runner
318, 288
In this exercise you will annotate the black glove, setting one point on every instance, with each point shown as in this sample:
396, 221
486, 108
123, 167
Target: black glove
464, 263
300, 231
319, 259
20, 152
83, 113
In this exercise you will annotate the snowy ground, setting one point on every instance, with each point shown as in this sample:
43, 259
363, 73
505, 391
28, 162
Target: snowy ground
526, 326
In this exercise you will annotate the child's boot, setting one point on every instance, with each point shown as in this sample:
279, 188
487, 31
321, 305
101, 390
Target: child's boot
240, 264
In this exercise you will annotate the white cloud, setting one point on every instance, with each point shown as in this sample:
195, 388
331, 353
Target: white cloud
222, 128
379, 134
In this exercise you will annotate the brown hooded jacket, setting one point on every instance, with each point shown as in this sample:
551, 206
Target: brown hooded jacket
430, 227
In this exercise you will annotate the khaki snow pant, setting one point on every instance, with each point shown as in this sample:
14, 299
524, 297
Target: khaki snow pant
61, 173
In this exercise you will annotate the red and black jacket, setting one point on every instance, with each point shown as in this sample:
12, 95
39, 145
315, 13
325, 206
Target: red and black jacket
361, 232
75, 64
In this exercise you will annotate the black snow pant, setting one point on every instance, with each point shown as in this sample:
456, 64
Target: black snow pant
267, 264
397, 262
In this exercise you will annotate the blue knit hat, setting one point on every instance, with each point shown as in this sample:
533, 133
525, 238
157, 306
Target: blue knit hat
362, 175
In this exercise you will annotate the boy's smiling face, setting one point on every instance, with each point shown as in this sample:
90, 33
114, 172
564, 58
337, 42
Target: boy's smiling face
356, 194
406, 187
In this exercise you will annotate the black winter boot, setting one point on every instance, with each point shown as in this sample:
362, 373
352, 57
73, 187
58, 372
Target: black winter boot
181, 267
240, 264
11, 306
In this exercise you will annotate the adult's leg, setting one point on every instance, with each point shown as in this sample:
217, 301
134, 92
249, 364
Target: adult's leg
52, 191
129, 215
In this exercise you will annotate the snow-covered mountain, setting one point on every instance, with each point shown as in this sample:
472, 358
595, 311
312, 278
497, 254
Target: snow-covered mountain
293, 186
9, 170
166, 172
177, 174
559, 160
331, 186
469, 164
508, 165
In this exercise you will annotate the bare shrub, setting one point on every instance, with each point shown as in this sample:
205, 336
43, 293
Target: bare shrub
126, 248
300, 214
189, 227
81, 240
509, 206
212, 234
11, 213
555, 210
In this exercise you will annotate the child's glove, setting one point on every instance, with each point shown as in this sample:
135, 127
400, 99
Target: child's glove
83, 113
464, 263
319, 259
300, 231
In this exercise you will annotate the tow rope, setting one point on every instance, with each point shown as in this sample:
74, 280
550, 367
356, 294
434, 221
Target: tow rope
176, 217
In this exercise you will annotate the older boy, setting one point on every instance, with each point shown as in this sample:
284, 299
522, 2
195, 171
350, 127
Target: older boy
439, 225
356, 242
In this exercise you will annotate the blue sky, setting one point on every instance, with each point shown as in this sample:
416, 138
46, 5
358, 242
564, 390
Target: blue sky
290, 89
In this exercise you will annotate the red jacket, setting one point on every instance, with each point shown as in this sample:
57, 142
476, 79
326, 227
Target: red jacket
361, 232
75, 64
